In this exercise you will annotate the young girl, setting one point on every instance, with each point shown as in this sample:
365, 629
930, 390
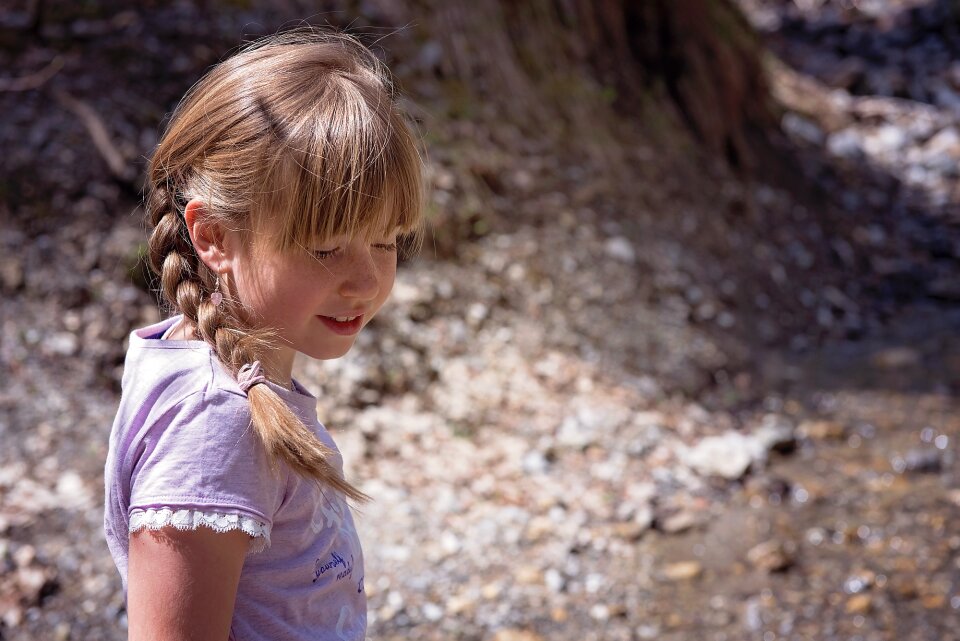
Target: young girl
277, 197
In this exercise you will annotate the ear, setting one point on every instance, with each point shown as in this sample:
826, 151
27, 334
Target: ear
208, 237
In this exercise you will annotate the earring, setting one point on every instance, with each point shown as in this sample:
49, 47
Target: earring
216, 297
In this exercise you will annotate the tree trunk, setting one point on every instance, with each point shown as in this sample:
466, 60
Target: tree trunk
697, 59
701, 53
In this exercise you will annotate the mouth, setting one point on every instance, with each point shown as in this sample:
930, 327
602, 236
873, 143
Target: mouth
343, 325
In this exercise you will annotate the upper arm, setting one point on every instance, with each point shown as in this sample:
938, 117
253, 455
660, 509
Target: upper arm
181, 585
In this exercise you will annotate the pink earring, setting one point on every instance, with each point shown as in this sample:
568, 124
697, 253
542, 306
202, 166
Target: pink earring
216, 297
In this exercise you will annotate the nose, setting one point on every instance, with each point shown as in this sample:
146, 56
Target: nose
362, 279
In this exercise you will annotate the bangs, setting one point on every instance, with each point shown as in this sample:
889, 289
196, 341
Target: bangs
346, 166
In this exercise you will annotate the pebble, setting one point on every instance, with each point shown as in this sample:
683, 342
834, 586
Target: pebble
771, 556
933, 601
620, 249
820, 430
846, 144
682, 571
859, 604
62, 344
728, 456
679, 522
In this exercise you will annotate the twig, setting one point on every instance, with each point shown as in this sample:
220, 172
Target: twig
34, 80
98, 132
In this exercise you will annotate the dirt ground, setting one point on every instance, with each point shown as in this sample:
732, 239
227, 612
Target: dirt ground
694, 406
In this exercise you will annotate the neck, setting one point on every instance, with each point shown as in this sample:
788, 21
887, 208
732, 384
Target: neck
278, 366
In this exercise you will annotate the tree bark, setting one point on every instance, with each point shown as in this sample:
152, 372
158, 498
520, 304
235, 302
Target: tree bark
702, 53
696, 58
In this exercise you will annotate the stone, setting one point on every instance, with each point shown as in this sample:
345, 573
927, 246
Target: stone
679, 522
682, 571
728, 456
887, 139
620, 249
771, 556
845, 143
822, 430
933, 601
859, 604
631, 530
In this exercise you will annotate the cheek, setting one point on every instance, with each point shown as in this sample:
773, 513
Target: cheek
388, 275
269, 287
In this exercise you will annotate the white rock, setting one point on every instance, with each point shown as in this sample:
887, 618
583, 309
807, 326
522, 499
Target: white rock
62, 344
621, 249
71, 489
554, 580
845, 143
432, 612
884, 140
728, 455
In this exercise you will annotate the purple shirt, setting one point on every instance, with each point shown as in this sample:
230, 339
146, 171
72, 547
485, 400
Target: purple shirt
183, 454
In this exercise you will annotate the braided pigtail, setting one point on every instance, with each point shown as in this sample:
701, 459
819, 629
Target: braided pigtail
283, 434
186, 283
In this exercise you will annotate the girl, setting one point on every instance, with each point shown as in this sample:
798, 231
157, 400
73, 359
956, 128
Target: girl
276, 197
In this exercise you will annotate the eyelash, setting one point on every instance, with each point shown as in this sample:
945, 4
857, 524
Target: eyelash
388, 247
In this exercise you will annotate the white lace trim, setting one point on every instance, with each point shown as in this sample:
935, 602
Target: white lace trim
187, 519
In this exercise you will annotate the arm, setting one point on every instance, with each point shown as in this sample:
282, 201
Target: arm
182, 584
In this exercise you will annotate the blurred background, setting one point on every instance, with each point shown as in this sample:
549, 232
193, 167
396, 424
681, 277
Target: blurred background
679, 359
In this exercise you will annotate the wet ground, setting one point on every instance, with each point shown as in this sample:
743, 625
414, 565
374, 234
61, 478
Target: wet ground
855, 535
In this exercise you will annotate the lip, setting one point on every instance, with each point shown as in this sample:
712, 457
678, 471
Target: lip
348, 328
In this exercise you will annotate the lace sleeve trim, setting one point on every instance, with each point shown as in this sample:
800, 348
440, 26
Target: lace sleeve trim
187, 519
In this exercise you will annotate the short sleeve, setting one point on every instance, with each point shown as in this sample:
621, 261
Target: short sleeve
200, 464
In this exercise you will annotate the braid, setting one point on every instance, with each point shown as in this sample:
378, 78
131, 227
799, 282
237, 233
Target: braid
171, 254
185, 283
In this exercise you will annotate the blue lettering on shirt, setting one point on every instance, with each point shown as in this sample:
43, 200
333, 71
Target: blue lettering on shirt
320, 568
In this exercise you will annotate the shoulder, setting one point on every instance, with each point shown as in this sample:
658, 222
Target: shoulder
160, 375
180, 403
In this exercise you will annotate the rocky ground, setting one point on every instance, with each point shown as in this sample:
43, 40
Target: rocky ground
723, 416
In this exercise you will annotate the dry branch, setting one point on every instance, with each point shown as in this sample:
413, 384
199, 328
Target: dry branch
98, 132
33, 80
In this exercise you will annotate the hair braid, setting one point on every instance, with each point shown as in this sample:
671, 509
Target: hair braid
282, 433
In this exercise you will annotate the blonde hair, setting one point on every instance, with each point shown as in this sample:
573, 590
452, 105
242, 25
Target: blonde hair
300, 133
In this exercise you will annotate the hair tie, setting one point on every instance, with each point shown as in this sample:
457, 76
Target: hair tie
249, 375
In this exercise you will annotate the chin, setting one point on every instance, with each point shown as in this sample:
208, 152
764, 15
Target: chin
328, 352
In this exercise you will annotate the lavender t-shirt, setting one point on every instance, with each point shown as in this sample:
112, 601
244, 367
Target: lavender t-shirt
183, 454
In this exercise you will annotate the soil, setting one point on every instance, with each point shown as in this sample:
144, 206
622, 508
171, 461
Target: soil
700, 404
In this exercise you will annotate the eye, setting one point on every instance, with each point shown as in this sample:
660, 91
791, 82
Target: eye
320, 254
387, 247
